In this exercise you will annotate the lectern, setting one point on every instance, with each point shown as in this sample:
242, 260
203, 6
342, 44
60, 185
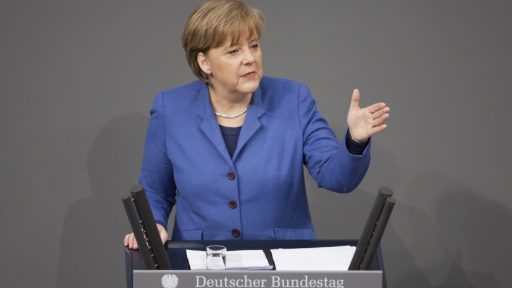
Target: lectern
144, 267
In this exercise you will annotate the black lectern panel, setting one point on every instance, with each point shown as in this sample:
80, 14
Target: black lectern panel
373, 230
145, 230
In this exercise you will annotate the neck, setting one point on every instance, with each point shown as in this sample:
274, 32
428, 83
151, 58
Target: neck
229, 103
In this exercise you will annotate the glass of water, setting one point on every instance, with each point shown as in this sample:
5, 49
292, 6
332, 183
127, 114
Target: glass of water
216, 257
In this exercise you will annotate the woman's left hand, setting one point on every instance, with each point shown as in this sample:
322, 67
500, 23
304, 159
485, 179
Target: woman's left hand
366, 122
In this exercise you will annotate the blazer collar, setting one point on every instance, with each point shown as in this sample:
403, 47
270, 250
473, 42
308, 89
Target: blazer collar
211, 129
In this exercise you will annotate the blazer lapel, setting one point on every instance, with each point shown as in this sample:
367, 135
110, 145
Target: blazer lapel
209, 124
211, 129
252, 122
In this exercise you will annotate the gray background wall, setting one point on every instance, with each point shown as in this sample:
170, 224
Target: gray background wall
78, 78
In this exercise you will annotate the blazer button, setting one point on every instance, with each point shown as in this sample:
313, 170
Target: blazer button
231, 175
235, 233
232, 204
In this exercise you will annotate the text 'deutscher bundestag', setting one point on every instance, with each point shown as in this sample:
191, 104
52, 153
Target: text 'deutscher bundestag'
255, 279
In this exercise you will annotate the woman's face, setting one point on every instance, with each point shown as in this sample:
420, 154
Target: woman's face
233, 70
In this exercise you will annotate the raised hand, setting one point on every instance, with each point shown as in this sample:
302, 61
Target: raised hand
368, 121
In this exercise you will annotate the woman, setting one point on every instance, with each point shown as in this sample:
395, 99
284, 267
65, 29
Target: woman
228, 150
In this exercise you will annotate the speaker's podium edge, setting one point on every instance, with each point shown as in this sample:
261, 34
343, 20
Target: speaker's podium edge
176, 252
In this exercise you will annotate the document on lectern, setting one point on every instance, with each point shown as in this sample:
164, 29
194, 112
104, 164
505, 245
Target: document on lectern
313, 259
235, 260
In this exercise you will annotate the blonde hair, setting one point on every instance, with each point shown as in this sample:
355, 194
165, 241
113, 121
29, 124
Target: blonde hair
214, 22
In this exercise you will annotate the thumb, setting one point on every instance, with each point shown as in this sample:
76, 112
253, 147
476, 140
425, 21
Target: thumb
163, 233
356, 96
164, 236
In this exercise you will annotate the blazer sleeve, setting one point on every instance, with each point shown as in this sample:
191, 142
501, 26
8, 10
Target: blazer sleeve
329, 162
157, 173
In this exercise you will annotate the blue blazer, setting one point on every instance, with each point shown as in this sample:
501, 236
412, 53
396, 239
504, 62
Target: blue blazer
259, 193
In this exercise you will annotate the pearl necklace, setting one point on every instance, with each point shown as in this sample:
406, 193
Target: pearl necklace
232, 116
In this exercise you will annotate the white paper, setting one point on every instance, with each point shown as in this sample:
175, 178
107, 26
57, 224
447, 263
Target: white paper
215, 263
247, 259
240, 259
314, 259
196, 259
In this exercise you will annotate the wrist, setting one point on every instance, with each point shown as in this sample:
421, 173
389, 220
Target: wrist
358, 140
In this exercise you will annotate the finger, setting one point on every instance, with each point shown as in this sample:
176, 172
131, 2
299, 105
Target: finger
377, 114
133, 242
130, 241
125, 240
375, 107
379, 121
135, 246
377, 129
356, 97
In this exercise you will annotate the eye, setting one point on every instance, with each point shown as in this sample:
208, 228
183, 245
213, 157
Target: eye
255, 46
233, 51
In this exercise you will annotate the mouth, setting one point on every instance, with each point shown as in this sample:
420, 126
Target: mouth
249, 74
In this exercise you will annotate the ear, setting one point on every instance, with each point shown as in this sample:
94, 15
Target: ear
204, 63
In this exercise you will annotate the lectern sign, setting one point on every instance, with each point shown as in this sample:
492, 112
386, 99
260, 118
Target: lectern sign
170, 281
255, 279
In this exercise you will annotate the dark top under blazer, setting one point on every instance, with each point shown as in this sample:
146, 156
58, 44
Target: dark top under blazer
259, 193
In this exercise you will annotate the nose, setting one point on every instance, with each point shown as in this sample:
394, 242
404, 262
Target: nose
248, 56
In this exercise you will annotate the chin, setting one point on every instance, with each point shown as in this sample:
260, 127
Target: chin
250, 87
